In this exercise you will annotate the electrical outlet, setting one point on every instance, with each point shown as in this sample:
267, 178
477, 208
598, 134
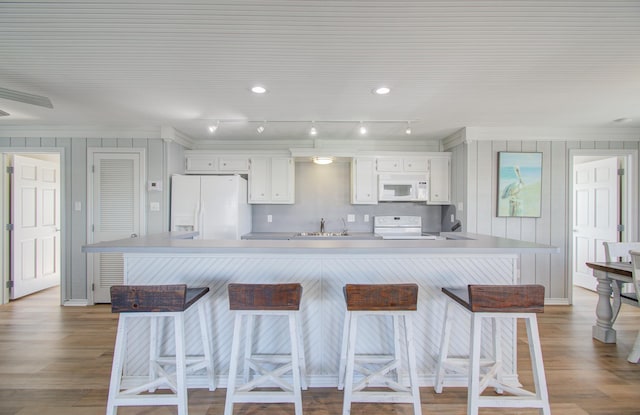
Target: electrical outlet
154, 207
366, 218
269, 218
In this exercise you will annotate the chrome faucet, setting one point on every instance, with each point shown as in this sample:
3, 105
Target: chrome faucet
345, 231
321, 224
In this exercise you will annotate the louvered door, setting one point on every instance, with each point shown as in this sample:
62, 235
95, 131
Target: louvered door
116, 213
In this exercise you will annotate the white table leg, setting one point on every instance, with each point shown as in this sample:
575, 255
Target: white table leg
603, 330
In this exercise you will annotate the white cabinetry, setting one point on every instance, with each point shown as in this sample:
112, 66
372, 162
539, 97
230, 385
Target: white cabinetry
401, 164
439, 181
271, 180
212, 164
364, 186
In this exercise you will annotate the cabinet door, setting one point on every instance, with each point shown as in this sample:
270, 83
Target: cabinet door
389, 164
259, 180
415, 164
282, 180
363, 182
202, 164
439, 177
236, 164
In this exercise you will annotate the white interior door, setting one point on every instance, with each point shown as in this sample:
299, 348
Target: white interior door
596, 216
116, 212
35, 215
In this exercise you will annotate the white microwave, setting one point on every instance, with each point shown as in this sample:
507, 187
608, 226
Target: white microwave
402, 187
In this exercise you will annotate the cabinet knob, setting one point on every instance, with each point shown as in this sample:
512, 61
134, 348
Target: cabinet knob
224, 164
210, 164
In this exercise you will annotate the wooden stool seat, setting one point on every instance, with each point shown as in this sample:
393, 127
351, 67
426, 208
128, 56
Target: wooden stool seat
251, 301
495, 302
154, 303
399, 301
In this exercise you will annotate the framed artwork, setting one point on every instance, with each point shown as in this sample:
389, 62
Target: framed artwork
519, 184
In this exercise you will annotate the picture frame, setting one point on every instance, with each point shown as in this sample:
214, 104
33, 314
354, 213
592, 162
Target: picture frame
519, 184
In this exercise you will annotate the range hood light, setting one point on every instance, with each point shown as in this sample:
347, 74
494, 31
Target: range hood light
322, 160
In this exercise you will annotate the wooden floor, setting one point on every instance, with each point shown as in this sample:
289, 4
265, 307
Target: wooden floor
57, 360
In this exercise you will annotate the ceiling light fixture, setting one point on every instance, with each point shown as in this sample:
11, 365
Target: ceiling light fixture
362, 129
313, 131
322, 160
258, 89
214, 127
383, 90
260, 128
408, 129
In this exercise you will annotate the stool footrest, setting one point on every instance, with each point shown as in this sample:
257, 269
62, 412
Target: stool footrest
379, 396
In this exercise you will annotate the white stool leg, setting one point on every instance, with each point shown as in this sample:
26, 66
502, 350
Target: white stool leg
539, 378
206, 345
343, 349
444, 349
350, 364
395, 321
181, 365
295, 363
117, 365
155, 337
411, 358
303, 360
496, 328
233, 365
634, 356
248, 347
473, 393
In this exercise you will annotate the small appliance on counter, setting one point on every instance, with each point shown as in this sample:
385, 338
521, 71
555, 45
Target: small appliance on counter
400, 227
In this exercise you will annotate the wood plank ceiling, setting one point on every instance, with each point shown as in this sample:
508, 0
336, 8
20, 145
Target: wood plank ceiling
449, 64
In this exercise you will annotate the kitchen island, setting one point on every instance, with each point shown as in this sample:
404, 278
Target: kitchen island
323, 267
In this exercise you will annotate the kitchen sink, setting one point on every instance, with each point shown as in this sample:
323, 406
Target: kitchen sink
321, 234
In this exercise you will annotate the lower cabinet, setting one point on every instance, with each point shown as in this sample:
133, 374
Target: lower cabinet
271, 180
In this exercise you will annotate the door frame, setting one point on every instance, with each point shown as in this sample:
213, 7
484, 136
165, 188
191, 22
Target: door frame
65, 250
628, 192
91, 151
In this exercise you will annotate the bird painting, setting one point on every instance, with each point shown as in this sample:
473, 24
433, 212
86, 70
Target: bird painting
512, 192
519, 184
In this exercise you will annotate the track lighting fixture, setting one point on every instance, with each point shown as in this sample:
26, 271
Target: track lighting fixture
408, 131
260, 129
362, 129
214, 127
313, 131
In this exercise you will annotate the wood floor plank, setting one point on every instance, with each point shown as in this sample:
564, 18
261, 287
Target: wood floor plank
57, 360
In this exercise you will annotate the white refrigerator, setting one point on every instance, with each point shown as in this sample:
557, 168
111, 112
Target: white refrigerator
215, 206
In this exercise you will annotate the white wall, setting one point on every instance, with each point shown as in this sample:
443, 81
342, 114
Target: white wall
479, 197
75, 189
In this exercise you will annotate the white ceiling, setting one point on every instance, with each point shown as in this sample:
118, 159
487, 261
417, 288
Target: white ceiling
450, 64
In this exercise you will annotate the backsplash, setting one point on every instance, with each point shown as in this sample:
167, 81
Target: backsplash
323, 192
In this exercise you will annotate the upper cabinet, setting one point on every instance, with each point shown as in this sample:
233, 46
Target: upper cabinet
439, 181
211, 164
401, 164
271, 180
364, 181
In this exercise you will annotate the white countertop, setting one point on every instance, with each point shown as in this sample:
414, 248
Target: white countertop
175, 242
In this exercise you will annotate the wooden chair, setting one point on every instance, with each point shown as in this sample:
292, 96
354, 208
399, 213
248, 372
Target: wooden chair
156, 303
251, 301
495, 302
634, 356
619, 252
398, 301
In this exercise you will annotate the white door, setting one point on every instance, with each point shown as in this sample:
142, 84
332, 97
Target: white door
35, 215
596, 215
115, 212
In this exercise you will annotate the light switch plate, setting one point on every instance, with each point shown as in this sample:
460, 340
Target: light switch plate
351, 218
269, 218
366, 218
154, 207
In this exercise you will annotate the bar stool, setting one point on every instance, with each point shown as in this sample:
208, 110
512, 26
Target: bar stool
156, 303
399, 301
251, 301
495, 302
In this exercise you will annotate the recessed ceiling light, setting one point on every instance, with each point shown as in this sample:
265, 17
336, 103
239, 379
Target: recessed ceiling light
383, 90
622, 120
258, 89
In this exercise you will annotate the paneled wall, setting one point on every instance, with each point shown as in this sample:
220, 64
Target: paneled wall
75, 190
475, 171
